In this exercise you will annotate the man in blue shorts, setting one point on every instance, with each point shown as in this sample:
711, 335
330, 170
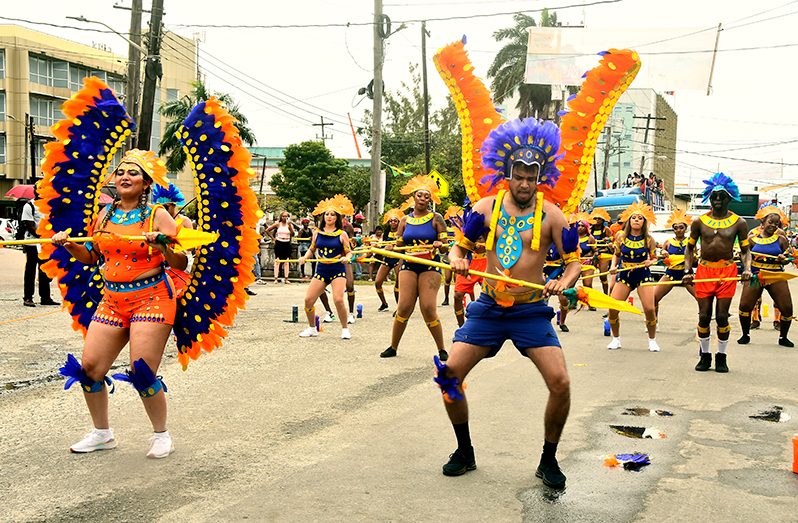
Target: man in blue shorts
519, 226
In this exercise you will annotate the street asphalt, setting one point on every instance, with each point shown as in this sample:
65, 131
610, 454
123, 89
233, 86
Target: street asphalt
271, 427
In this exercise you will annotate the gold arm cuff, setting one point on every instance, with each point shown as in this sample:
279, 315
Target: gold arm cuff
691, 241
744, 243
442, 235
466, 244
570, 257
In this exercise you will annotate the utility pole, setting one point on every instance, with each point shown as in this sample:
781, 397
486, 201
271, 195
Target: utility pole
647, 128
134, 63
426, 95
376, 196
32, 129
323, 136
714, 55
152, 72
607, 139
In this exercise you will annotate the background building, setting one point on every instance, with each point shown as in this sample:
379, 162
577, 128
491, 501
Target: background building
38, 72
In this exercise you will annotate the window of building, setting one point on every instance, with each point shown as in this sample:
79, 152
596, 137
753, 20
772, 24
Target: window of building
101, 75
76, 76
117, 85
172, 95
2, 106
614, 164
627, 164
40, 148
45, 111
2, 63
2, 148
45, 71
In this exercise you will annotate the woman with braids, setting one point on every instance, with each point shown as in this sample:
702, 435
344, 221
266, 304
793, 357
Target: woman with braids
427, 230
600, 231
674, 248
138, 304
391, 219
634, 248
332, 245
769, 251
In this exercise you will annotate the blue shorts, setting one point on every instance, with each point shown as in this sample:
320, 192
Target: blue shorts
635, 277
488, 324
553, 272
327, 272
419, 268
675, 274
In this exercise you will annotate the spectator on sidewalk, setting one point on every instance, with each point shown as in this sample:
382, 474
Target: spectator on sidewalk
29, 221
304, 236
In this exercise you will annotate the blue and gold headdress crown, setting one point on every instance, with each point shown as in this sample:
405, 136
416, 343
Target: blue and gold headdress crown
169, 194
529, 141
720, 182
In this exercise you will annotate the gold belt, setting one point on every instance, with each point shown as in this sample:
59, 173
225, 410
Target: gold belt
528, 296
716, 264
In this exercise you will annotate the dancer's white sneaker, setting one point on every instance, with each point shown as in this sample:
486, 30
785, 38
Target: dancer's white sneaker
614, 344
328, 318
345, 334
160, 445
652, 346
97, 439
351, 320
309, 332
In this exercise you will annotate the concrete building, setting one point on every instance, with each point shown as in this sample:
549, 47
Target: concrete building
38, 72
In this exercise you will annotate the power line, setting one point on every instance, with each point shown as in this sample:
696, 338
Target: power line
428, 19
59, 26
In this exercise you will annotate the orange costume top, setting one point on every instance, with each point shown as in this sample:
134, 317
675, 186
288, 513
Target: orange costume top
126, 260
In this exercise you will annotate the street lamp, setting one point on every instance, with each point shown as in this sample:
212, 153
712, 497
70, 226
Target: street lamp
87, 21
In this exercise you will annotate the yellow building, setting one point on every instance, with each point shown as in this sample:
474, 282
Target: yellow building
38, 72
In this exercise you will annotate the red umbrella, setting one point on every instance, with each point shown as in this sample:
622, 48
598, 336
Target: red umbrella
21, 191
26, 191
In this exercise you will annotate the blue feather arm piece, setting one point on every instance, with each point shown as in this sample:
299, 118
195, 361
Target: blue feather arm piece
74, 373
449, 386
570, 238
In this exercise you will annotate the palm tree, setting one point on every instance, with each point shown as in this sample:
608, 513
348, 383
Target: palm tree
177, 111
507, 69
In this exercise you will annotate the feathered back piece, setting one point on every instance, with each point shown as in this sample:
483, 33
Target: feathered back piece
764, 212
580, 127
392, 214
338, 203
642, 209
678, 216
582, 123
600, 212
153, 166
227, 205
169, 194
453, 210
422, 182
720, 182
529, 141
476, 112
74, 167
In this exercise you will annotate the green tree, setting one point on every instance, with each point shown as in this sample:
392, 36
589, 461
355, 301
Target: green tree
177, 111
403, 139
355, 184
507, 68
308, 174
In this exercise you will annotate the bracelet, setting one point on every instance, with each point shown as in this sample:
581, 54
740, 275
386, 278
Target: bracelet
466, 244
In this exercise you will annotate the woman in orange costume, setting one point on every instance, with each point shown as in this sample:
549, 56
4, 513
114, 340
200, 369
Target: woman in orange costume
138, 304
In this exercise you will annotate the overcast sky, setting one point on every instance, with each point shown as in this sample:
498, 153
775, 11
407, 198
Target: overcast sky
752, 106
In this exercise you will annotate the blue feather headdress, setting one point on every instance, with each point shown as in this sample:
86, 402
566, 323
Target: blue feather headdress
164, 195
720, 182
529, 141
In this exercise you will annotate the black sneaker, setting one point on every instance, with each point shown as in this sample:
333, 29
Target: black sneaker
784, 342
50, 302
251, 293
745, 339
564, 328
460, 462
445, 303
383, 307
443, 355
704, 363
720, 363
390, 352
28, 303
551, 475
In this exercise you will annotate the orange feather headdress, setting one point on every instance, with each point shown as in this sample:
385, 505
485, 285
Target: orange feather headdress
453, 210
392, 214
764, 212
153, 166
642, 209
338, 203
422, 182
600, 212
577, 217
678, 216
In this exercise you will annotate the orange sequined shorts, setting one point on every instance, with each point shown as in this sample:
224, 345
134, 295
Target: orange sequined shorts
148, 299
465, 284
718, 289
